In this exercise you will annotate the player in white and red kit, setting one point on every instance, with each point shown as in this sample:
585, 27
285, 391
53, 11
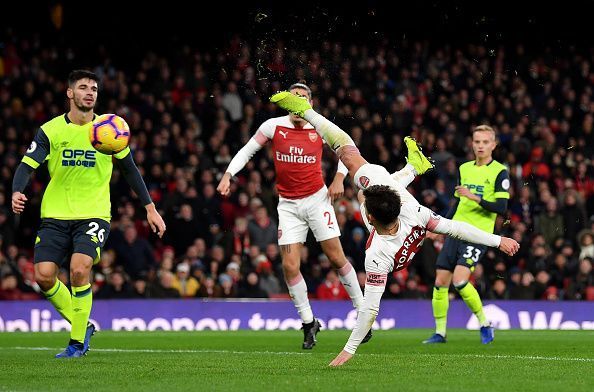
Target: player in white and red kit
396, 221
304, 203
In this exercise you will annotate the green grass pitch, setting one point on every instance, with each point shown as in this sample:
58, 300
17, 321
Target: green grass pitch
273, 361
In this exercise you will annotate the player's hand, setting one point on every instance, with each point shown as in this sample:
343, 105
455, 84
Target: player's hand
509, 246
336, 189
155, 220
465, 192
225, 184
341, 359
18, 202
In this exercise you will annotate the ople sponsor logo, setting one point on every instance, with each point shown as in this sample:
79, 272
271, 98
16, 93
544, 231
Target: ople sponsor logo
84, 158
476, 189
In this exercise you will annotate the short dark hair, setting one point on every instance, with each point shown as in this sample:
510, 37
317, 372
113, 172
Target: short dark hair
79, 74
383, 203
301, 85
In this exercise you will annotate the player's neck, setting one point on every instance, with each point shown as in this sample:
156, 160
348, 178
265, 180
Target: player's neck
483, 161
298, 124
390, 229
79, 117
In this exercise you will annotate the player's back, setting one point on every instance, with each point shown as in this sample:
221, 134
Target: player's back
398, 249
297, 155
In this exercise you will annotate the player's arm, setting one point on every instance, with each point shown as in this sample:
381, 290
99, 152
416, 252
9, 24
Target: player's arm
336, 189
134, 179
465, 231
501, 195
498, 206
35, 156
374, 289
260, 138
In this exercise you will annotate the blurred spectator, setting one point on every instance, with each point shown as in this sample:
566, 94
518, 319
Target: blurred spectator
116, 288
135, 254
228, 287
209, 289
9, 288
251, 288
412, 290
268, 281
262, 229
499, 290
578, 287
186, 285
164, 288
525, 289
550, 222
586, 244
184, 229
331, 288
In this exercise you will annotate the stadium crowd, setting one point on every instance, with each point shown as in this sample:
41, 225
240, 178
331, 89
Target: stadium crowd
191, 110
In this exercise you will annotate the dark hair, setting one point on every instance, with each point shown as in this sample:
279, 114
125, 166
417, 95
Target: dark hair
301, 85
383, 203
79, 74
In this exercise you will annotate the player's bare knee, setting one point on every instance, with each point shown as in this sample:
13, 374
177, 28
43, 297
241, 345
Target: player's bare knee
290, 270
45, 281
337, 259
79, 276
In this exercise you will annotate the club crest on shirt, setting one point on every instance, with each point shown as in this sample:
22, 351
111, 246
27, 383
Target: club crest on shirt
364, 181
313, 136
280, 233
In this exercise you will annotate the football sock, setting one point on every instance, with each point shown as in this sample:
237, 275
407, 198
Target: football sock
60, 297
330, 132
82, 301
473, 301
298, 293
406, 175
348, 278
440, 303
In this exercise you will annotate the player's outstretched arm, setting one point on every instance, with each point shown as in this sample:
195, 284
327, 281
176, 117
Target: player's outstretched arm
365, 318
242, 157
155, 220
134, 179
467, 232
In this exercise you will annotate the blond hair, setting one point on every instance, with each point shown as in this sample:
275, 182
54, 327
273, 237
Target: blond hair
485, 128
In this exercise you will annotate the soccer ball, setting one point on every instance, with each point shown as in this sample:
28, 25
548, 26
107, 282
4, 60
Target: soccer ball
109, 134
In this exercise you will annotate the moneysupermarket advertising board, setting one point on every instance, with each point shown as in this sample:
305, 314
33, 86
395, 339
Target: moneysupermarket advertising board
198, 315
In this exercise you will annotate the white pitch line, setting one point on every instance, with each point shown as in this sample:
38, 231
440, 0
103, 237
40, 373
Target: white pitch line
148, 350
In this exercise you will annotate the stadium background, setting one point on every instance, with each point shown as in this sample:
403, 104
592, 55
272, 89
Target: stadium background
194, 87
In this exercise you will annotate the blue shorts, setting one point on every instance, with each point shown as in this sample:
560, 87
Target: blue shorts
456, 252
58, 239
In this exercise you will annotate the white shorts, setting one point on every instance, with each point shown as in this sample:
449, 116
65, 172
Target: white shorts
369, 174
297, 216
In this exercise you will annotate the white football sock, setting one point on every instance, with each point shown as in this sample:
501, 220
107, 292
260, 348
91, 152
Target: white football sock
348, 278
298, 293
406, 175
